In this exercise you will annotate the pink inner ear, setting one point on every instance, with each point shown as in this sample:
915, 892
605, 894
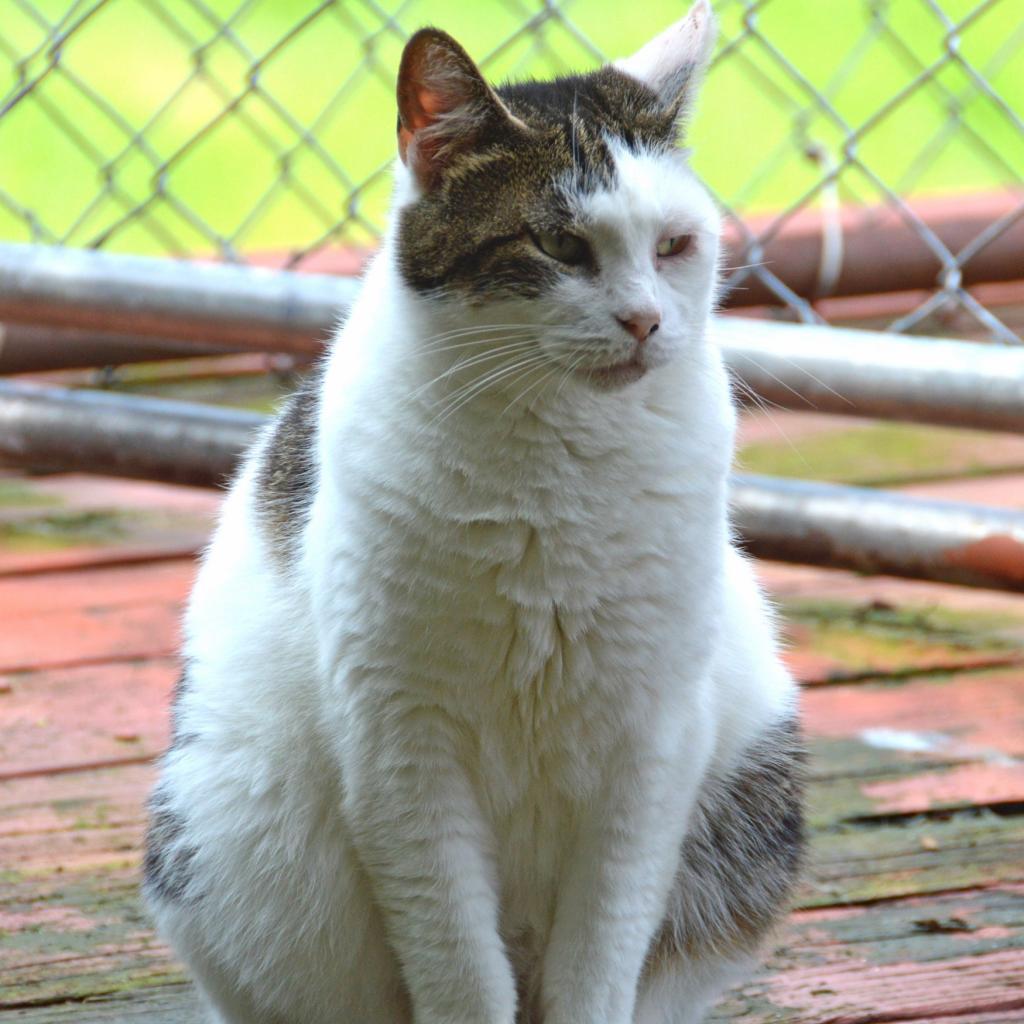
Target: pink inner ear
430, 101
427, 106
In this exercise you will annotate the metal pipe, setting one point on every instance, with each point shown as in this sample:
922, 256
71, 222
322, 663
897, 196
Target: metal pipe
783, 520
240, 307
882, 376
28, 349
121, 435
882, 248
878, 532
861, 373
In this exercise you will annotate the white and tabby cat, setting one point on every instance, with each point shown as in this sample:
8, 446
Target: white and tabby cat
482, 720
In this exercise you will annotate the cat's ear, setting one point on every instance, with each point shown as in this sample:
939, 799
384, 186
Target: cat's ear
673, 63
444, 105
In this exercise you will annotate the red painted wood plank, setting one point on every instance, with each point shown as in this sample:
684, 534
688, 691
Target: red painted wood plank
104, 586
835, 641
67, 824
28, 563
977, 714
79, 636
971, 1017
962, 786
861, 992
914, 791
58, 719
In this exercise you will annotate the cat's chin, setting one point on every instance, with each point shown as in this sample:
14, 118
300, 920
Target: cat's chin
618, 375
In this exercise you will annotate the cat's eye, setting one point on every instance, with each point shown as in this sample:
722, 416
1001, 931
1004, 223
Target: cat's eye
674, 246
562, 246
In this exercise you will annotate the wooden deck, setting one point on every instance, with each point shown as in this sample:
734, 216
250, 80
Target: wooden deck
913, 908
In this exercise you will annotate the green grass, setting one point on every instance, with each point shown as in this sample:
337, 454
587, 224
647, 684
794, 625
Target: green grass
58, 530
16, 493
58, 149
879, 454
929, 625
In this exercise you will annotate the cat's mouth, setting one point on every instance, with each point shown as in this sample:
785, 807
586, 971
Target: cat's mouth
618, 374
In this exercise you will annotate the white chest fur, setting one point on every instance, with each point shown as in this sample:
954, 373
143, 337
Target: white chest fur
554, 599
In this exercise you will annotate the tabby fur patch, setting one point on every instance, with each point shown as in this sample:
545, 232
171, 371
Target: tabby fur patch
286, 473
742, 855
472, 233
168, 857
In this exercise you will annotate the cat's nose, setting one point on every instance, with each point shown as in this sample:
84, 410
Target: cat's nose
640, 325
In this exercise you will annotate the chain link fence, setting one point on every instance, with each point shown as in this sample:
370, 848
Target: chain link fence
858, 147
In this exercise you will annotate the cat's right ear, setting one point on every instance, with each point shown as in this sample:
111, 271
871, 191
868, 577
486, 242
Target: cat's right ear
444, 105
673, 64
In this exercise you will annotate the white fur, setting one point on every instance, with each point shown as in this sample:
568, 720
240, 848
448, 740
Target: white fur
672, 61
465, 731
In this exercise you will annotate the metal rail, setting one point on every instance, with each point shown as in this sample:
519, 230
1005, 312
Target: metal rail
867, 250
878, 532
237, 307
121, 435
859, 373
791, 521
28, 349
882, 376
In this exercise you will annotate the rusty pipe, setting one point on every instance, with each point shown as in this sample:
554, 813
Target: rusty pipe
892, 247
879, 532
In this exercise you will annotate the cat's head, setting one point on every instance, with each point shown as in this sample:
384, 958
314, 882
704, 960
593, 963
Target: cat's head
566, 204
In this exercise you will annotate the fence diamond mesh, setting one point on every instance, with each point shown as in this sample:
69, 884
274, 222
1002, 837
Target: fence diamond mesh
262, 131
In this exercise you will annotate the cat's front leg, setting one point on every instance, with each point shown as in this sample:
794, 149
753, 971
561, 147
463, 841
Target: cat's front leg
614, 893
425, 846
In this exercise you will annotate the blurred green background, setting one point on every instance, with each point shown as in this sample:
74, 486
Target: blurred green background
200, 127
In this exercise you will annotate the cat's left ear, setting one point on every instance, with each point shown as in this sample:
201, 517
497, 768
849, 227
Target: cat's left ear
445, 106
673, 63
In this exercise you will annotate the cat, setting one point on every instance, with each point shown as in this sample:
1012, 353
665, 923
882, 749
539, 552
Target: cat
482, 719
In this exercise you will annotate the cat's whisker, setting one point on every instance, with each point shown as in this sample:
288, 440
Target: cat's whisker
756, 399
746, 266
477, 342
540, 380
569, 370
477, 387
471, 393
803, 369
783, 384
544, 379
429, 344
452, 399
491, 377
513, 348
765, 406
470, 329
